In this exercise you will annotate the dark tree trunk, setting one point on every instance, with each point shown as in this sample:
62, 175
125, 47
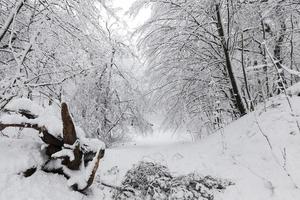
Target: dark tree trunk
237, 96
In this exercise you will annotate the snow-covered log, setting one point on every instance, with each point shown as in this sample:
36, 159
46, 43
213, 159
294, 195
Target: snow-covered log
69, 153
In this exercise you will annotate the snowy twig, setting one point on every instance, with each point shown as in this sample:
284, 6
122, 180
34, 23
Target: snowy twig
291, 71
272, 188
116, 187
57, 82
273, 154
282, 82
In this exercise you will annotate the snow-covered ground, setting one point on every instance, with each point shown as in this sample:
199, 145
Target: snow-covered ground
260, 153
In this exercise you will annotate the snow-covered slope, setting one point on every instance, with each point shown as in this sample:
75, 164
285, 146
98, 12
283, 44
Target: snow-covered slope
260, 153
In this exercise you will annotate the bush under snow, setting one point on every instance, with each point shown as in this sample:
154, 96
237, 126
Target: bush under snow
149, 180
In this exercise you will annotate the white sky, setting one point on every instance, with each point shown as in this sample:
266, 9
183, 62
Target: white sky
124, 6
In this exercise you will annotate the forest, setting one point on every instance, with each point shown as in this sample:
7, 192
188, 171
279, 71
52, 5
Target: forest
116, 108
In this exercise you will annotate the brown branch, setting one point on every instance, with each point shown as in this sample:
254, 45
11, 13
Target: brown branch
92, 176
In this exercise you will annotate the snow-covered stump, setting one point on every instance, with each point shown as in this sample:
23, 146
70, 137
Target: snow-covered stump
69, 153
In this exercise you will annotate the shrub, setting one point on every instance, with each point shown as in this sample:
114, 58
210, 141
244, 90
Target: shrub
149, 180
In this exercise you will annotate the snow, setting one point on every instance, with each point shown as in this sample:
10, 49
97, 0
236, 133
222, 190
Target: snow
64, 153
160, 138
81, 177
259, 153
294, 90
10, 119
239, 152
91, 144
76, 177
24, 104
48, 116
18, 155
39, 186
52, 123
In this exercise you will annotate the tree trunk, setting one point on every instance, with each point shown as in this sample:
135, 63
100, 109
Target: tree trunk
265, 68
277, 55
251, 106
238, 99
69, 137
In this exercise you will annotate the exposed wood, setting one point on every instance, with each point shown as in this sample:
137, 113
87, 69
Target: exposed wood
69, 133
92, 176
69, 137
74, 164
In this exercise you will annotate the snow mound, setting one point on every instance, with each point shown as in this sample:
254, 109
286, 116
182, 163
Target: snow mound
24, 104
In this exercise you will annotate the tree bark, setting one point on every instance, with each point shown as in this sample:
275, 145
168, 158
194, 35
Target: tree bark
69, 137
69, 133
238, 99
251, 107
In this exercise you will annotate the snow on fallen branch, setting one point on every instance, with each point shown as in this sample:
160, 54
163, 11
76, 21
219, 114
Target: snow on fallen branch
69, 153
